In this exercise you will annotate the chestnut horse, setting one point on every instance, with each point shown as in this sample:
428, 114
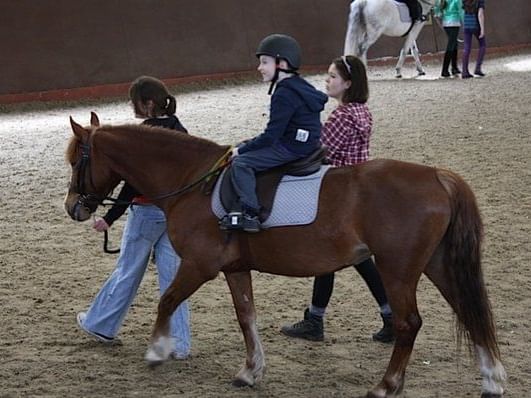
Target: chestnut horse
414, 219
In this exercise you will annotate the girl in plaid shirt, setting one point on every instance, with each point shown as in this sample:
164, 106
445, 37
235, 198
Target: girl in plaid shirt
346, 133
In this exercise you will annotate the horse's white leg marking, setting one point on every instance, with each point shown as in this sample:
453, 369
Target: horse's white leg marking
415, 52
159, 350
493, 374
252, 375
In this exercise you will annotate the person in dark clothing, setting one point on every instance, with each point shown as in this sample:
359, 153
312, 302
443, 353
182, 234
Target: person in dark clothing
292, 132
144, 232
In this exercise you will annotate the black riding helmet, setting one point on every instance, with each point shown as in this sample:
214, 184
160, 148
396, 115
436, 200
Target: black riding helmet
281, 46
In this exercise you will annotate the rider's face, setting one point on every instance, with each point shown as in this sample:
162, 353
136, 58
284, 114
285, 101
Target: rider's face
267, 67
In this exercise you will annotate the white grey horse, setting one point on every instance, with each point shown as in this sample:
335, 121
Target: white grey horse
369, 19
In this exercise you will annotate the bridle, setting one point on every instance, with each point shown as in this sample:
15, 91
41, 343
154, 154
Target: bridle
89, 200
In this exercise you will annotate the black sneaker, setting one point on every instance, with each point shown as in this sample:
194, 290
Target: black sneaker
250, 223
386, 334
479, 73
456, 71
310, 328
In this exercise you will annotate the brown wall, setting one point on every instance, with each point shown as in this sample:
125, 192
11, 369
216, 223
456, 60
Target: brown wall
64, 44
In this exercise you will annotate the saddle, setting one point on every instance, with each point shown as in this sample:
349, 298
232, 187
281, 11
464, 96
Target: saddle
267, 182
410, 12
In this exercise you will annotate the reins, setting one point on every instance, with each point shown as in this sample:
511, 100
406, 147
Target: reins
219, 165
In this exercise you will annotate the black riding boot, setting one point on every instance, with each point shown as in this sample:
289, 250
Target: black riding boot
386, 333
446, 64
455, 68
310, 328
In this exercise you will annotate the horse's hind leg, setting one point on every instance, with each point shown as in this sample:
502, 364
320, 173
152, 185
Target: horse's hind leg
242, 295
491, 370
401, 292
186, 282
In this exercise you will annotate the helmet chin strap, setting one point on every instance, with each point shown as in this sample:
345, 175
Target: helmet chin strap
277, 72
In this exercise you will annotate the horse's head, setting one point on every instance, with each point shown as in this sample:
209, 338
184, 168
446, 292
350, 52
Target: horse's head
91, 181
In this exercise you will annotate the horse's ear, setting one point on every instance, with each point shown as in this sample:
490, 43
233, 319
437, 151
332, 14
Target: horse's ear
79, 131
94, 120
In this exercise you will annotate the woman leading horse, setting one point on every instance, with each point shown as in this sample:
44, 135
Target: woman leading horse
414, 219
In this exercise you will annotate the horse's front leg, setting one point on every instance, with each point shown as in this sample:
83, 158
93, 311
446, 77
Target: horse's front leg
400, 63
418, 64
241, 288
186, 282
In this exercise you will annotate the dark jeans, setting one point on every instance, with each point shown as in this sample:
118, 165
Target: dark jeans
245, 166
451, 32
468, 47
324, 285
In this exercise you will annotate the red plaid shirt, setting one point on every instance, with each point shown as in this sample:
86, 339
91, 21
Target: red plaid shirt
346, 133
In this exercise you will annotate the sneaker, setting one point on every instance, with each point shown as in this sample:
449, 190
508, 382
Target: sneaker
386, 334
310, 328
250, 223
445, 73
455, 71
100, 337
466, 76
479, 73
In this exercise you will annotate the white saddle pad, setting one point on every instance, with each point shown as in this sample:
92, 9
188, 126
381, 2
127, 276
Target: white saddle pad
403, 11
296, 200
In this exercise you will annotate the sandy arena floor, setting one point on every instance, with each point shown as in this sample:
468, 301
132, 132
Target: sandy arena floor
51, 266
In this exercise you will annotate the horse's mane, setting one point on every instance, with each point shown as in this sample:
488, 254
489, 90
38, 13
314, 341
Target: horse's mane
163, 137
159, 134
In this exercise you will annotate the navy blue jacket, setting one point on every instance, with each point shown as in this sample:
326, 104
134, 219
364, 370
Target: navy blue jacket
294, 119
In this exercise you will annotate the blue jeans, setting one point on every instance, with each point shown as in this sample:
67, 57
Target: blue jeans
245, 166
144, 230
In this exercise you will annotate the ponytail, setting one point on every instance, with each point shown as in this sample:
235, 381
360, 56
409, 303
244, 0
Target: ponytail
147, 88
171, 106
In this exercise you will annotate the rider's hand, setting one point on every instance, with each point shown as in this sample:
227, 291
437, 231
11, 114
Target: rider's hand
100, 225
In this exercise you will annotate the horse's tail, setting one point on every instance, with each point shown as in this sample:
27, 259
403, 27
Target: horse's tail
356, 38
463, 258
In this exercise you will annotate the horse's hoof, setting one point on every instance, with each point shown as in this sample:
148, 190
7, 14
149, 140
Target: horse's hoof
240, 383
154, 364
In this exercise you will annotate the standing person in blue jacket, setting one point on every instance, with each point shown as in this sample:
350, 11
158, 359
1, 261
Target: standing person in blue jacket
292, 132
144, 232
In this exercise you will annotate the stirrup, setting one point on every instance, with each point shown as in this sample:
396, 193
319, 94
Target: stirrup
231, 221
